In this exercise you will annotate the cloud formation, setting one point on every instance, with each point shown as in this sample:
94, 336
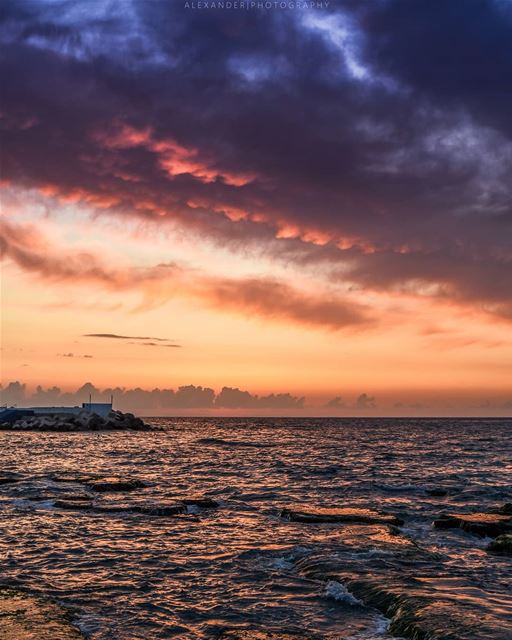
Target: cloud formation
73, 355
185, 397
262, 297
116, 336
365, 149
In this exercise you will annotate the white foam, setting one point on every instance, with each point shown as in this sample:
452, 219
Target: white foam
282, 563
337, 591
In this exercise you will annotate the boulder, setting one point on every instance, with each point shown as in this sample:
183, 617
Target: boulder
482, 524
338, 515
502, 545
83, 421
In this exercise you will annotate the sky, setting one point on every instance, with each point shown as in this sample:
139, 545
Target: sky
299, 208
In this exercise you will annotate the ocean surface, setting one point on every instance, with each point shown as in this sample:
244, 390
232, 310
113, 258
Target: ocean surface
131, 576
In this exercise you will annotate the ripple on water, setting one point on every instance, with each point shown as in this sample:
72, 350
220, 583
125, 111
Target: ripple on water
135, 575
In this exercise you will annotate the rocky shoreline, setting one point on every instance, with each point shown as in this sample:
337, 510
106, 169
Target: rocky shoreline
406, 587
402, 587
24, 616
83, 421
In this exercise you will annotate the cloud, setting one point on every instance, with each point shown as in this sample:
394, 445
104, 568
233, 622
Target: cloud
401, 158
156, 344
234, 398
185, 397
262, 297
72, 355
119, 337
273, 299
336, 403
364, 401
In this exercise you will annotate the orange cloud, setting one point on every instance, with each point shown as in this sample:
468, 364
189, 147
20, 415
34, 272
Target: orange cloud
277, 300
261, 297
174, 158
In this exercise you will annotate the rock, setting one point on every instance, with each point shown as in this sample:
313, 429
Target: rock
345, 514
506, 509
203, 502
483, 524
260, 635
502, 544
437, 492
159, 510
79, 478
113, 483
73, 505
27, 617
83, 421
9, 478
416, 597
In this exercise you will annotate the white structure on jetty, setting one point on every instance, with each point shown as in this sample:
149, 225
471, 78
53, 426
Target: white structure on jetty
100, 408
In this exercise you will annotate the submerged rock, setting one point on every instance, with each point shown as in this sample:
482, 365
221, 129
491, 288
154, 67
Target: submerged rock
200, 501
79, 478
74, 505
344, 514
483, 524
100, 483
437, 492
162, 509
9, 478
27, 617
506, 509
113, 483
261, 635
502, 544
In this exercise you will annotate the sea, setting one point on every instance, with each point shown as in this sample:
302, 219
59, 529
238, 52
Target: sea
242, 565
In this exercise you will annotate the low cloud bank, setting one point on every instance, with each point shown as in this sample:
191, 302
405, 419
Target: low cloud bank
185, 397
204, 400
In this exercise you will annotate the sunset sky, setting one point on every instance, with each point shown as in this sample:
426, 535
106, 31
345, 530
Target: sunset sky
314, 201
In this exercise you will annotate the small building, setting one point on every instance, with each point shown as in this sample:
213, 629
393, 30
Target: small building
42, 411
100, 408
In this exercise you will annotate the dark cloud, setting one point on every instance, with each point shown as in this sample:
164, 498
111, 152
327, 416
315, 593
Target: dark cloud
234, 398
383, 126
364, 401
158, 344
336, 403
119, 337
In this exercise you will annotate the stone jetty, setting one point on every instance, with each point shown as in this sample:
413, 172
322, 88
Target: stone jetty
82, 421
